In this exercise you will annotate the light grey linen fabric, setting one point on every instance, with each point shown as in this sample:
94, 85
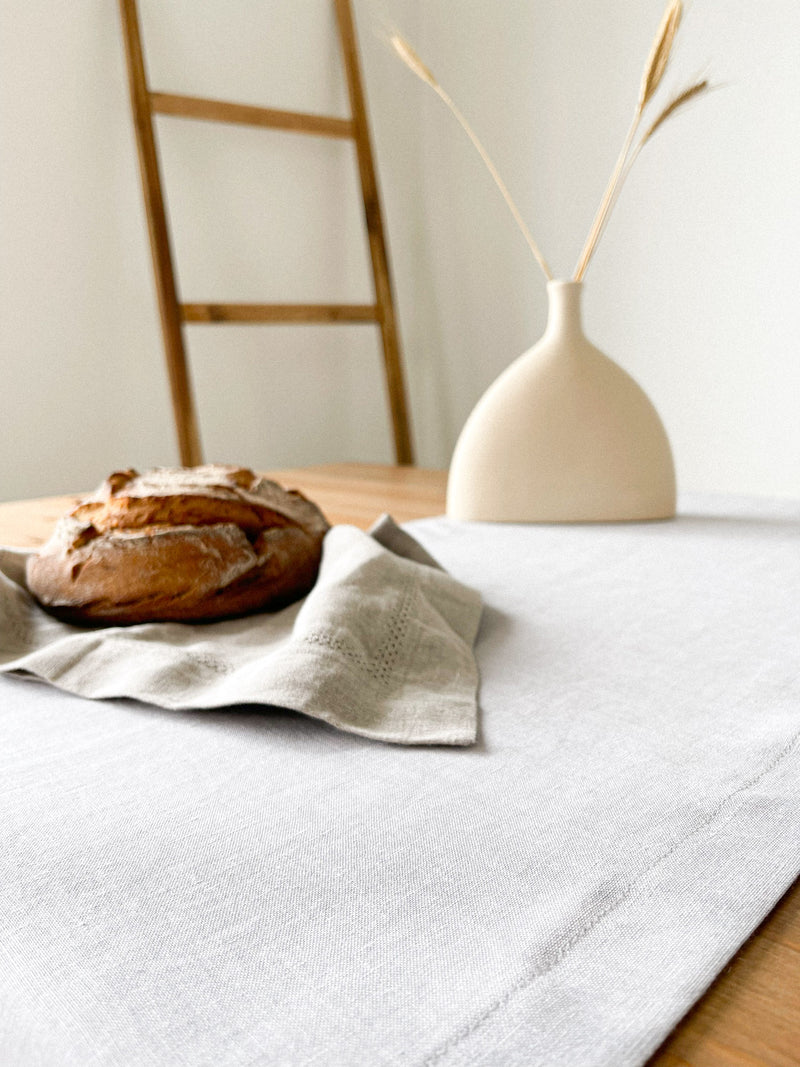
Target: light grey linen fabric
240, 888
382, 647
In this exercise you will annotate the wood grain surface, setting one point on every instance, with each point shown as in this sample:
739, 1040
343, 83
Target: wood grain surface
750, 1016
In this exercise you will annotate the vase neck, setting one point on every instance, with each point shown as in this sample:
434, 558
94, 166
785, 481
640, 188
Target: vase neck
564, 310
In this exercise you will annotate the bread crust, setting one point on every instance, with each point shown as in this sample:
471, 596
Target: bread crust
186, 544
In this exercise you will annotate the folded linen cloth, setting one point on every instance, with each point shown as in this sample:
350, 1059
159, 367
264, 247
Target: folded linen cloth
381, 647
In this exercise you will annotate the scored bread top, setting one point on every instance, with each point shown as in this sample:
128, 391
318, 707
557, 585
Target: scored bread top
196, 496
179, 544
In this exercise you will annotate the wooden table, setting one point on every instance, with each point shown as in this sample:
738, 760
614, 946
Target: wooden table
750, 1017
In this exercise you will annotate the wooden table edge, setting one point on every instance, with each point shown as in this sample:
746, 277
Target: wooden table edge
355, 493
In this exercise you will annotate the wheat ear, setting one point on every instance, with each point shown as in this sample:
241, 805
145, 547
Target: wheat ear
651, 79
677, 102
424, 73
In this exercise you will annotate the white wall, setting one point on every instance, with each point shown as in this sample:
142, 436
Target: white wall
694, 288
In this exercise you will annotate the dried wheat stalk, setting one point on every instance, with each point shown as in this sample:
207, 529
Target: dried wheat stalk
651, 79
652, 76
677, 102
423, 72
660, 53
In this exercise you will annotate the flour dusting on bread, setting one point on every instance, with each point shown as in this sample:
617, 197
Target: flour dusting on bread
179, 544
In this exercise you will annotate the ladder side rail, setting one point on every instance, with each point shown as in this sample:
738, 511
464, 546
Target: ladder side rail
395, 381
180, 387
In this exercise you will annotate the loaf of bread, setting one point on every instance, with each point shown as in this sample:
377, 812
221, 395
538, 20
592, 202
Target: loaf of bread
179, 544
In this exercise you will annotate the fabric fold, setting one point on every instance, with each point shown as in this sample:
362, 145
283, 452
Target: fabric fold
381, 647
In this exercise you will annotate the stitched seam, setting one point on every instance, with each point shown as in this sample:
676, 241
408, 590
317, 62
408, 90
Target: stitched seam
317, 637
387, 658
380, 668
530, 976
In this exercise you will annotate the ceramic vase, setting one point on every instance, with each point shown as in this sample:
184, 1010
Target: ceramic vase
563, 435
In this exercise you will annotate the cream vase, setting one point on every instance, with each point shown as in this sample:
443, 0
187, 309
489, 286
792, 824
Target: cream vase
563, 435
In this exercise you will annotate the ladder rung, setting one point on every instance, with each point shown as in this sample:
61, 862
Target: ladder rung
280, 313
196, 107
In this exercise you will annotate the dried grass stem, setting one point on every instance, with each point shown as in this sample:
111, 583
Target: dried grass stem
651, 79
652, 76
671, 108
660, 53
425, 74
677, 102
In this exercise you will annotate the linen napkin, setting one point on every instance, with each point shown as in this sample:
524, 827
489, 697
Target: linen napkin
381, 646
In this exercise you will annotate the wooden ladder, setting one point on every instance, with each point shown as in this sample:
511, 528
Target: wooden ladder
173, 314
